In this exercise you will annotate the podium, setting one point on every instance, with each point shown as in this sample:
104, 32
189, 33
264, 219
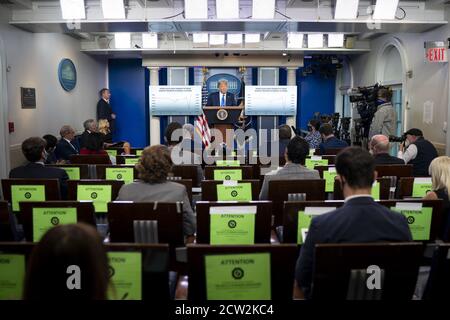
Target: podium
223, 118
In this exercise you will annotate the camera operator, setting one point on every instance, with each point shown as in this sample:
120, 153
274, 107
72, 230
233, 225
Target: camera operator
384, 120
418, 151
379, 147
313, 137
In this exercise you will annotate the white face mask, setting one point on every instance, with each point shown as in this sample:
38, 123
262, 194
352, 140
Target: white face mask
407, 143
45, 154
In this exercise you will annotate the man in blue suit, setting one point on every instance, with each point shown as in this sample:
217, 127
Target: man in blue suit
221, 98
359, 220
329, 140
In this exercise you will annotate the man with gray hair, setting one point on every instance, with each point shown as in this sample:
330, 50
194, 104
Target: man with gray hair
379, 147
67, 145
221, 98
91, 139
90, 125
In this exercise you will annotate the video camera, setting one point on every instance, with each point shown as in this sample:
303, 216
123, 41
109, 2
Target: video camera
365, 99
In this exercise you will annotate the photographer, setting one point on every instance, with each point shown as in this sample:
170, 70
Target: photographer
313, 137
384, 120
418, 151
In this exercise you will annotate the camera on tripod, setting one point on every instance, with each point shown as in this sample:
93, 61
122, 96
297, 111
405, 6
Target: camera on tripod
365, 100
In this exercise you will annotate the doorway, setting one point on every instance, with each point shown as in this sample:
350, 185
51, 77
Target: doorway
4, 133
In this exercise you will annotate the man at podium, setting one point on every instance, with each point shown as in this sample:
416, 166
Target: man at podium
221, 98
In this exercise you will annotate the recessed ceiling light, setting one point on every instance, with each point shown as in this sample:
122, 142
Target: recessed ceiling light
196, 9
294, 40
113, 9
346, 9
315, 40
385, 10
122, 40
227, 9
150, 40
73, 9
263, 9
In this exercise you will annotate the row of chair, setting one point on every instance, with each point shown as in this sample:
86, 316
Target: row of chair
279, 191
123, 216
340, 271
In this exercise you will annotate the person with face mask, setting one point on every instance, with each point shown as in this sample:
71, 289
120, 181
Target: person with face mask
418, 151
384, 121
313, 138
359, 220
34, 151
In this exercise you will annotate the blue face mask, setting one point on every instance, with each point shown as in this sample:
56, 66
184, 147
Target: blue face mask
380, 102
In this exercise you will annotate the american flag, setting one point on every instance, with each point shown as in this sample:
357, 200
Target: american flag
201, 124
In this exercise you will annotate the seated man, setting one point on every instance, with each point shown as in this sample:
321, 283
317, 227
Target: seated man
329, 140
379, 147
66, 146
295, 154
34, 151
359, 220
185, 153
284, 135
418, 151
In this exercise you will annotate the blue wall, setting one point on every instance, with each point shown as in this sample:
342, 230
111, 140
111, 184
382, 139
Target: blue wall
315, 93
129, 82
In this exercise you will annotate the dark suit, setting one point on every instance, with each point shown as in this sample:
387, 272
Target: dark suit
104, 111
91, 141
332, 143
65, 149
386, 158
359, 220
282, 146
214, 99
38, 171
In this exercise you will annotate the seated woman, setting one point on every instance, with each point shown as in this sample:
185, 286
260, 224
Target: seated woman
154, 167
60, 247
104, 130
440, 178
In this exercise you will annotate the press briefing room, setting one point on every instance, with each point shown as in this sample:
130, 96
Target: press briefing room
211, 158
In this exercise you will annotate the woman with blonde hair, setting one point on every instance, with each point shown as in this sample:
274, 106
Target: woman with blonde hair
104, 129
440, 177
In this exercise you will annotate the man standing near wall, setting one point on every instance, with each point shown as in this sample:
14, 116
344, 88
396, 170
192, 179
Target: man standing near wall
104, 110
384, 121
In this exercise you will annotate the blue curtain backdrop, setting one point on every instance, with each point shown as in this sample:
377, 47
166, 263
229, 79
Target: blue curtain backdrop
164, 121
315, 93
129, 82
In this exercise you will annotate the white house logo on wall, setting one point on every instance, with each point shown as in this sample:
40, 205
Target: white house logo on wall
234, 83
67, 74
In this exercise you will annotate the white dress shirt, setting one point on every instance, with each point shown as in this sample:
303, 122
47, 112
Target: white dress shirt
409, 154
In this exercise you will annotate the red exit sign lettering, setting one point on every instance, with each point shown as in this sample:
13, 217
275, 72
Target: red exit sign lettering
436, 51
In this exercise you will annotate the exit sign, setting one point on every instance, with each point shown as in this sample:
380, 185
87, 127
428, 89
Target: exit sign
436, 51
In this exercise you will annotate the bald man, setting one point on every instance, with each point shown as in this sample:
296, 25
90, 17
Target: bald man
379, 147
